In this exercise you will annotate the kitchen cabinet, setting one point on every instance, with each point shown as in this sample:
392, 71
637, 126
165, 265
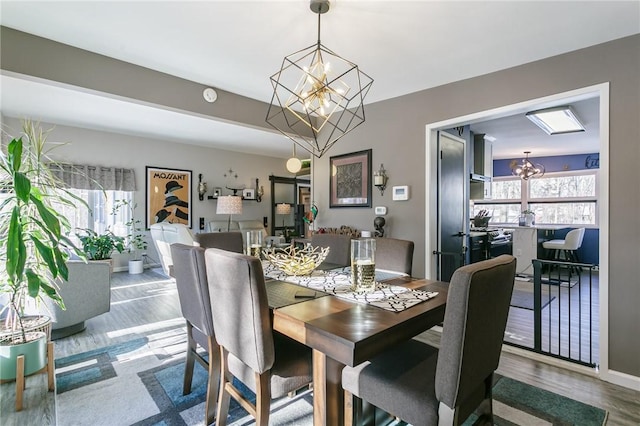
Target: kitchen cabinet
482, 174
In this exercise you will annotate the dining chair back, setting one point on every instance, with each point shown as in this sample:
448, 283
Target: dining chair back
231, 241
193, 293
270, 364
394, 255
425, 386
339, 247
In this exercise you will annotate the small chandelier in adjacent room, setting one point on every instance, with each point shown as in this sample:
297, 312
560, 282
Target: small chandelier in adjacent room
527, 169
318, 96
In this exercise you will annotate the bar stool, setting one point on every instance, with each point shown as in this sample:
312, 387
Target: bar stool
567, 247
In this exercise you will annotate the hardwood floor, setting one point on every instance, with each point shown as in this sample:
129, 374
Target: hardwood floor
149, 302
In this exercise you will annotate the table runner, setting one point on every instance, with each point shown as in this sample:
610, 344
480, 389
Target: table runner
337, 282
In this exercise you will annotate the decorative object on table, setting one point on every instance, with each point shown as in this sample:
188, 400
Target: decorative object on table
294, 165
254, 243
202, 187
378, 224
526, 170
310, 216
315, 104
380, 179
135, 238
33, 254
229, 204
297, 261
249, 194
363, 265
168, 196
527, 218
350, 180
259, 192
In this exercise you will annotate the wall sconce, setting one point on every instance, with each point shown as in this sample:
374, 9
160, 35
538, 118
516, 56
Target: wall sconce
202, 187
380, 179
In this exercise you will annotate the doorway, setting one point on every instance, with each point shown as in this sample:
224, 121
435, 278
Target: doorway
600, 91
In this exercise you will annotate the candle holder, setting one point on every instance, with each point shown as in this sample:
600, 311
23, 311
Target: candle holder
380, 179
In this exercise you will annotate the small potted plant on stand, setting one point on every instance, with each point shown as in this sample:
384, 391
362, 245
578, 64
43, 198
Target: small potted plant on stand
135, 241
33, 254
99, 247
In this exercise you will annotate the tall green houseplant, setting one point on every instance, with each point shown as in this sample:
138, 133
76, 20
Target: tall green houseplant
33, 235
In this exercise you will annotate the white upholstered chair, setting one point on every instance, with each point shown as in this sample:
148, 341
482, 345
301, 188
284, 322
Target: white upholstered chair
165, 234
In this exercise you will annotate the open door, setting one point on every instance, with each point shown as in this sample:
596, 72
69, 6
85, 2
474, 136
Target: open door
452, 205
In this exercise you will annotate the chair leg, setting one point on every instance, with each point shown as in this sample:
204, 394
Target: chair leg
263, 398
190, 360
213, 381
224, 395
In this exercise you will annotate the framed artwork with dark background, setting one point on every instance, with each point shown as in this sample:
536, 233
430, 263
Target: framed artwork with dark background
350, 180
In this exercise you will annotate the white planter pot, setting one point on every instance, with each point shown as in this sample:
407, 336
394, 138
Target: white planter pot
136, 266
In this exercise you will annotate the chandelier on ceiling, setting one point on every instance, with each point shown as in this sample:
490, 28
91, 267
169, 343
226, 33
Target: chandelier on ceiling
527, 169
318, 96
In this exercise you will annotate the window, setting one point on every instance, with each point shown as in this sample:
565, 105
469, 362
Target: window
567, 198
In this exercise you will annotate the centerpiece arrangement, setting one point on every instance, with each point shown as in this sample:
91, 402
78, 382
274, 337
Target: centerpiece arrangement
295, 261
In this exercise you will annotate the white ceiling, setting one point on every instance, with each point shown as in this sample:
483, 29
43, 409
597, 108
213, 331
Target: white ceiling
405, 46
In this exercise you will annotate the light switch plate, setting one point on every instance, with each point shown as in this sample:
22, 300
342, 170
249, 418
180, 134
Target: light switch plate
380, 210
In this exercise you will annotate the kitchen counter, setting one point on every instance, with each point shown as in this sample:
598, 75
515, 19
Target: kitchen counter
527, 244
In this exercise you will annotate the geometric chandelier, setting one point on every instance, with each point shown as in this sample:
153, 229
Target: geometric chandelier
527, 169
318, 96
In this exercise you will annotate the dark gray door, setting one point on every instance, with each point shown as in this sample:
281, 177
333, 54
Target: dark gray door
452, 205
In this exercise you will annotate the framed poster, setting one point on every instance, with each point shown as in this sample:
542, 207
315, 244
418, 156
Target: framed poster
168, 196
350, 180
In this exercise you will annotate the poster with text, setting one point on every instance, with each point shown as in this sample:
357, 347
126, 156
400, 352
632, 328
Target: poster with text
168, 196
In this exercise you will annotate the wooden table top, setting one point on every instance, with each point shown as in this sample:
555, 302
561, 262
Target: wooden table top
350, 332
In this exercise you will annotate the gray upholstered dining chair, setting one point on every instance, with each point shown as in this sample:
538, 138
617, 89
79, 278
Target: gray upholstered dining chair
426, 386
339, 247
193, 291
231, 241
270, 364
394, 255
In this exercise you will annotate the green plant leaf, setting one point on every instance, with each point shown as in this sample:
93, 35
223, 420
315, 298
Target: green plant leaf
22, 185
16, 250
52, 293
35, 282
47, 255
14, 150
61, 262
49, 218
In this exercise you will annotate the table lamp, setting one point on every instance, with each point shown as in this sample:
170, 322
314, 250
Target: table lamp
229, 204
283, 209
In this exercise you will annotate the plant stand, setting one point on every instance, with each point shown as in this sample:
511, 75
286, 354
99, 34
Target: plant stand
20, 377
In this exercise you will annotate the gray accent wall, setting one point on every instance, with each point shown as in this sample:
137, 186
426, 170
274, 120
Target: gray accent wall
395, 130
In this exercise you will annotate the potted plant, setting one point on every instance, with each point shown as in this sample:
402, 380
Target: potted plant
135, 239
33, 247
100, 246
529, 217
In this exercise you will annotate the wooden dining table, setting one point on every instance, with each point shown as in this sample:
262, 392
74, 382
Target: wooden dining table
341, 332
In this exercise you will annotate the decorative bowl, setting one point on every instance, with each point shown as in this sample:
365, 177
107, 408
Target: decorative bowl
295, 261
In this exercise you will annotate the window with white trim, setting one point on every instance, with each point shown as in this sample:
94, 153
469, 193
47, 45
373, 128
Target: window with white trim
559, 198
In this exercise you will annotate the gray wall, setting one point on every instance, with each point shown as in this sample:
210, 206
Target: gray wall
395, 129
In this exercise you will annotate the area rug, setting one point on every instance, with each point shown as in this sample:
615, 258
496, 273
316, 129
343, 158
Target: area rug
522, 296
140, 383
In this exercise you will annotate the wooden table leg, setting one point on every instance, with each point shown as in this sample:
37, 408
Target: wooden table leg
19, 381
50, 366
328, 395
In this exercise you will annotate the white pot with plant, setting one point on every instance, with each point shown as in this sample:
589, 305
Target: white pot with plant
33, 247
135, 239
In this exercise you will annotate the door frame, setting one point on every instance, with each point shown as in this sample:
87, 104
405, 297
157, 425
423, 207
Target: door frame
598, 90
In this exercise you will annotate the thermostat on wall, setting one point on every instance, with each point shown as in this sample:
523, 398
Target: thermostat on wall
380, 210
400, 193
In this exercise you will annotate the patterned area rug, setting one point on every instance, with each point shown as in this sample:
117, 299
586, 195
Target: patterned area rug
140, 383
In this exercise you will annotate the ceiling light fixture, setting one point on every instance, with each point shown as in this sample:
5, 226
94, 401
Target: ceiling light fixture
318, 96
294, 165
557, 120
527, 169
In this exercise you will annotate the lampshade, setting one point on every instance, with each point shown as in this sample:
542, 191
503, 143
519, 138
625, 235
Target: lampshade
318, 96
229, 204
283, 208
294, 165
527, 169
555, 121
